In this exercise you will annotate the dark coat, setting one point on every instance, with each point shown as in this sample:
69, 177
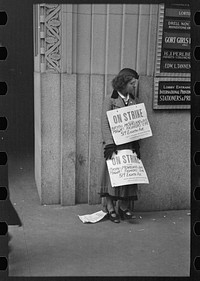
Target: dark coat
130, 191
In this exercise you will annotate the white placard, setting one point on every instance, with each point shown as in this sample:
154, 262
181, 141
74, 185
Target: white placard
129, 123
125, 168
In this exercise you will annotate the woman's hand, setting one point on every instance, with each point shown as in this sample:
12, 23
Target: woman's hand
109, 149
137, 151
136, 148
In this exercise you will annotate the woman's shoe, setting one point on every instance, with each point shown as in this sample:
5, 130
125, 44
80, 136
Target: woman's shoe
113, 217
126, 215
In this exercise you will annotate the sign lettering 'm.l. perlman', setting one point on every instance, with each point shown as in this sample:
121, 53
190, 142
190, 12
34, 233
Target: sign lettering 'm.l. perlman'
125, 168
129, 123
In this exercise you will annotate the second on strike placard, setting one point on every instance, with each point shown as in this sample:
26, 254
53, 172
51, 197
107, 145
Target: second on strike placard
125, 168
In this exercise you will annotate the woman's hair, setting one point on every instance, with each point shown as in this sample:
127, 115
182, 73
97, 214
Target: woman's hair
123, 77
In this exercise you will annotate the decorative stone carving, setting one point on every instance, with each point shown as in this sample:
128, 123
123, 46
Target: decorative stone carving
50, 27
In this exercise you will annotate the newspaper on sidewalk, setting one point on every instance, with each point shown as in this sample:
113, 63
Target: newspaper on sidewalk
93, 218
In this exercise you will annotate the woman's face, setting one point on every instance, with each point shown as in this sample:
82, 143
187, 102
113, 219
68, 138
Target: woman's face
130, 87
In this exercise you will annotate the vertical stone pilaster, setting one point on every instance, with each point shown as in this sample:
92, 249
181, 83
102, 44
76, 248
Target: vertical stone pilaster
68, 110
50, 138
68, 139
55, 138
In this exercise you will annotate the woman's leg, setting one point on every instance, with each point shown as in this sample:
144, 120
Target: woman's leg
109, 204
124, 205
125, 210
113, 216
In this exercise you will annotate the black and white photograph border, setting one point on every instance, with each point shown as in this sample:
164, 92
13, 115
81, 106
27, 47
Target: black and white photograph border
60, 71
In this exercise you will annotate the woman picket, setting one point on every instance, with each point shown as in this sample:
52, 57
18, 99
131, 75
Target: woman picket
125, 86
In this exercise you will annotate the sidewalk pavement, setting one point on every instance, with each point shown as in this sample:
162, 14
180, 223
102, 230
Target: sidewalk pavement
53, 241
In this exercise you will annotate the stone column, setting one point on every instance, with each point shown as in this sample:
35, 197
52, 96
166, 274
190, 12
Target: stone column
55, 108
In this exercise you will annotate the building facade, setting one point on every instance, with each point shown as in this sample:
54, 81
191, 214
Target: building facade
78, 49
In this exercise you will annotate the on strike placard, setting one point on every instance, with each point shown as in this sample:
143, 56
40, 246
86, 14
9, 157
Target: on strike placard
125, 168
129, 123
